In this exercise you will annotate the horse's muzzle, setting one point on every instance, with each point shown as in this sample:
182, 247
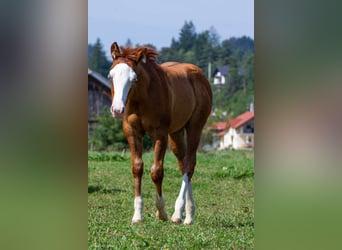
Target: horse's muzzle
117, 113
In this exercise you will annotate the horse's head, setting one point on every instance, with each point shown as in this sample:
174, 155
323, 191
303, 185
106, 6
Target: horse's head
123, 75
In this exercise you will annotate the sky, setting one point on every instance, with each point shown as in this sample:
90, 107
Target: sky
158, 21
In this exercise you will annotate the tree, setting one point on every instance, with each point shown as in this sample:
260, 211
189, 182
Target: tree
107, 133
174, 44
248, 64
225, 52
170, 55
97, 59
214, 37
234, 79
129, 43
187, 36
243, 43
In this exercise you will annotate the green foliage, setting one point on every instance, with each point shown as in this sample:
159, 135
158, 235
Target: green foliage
107, 134
243, 43
97, 60
187, 36
106, 156
224, 216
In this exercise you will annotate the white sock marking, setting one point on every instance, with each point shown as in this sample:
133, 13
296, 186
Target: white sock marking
138, 207
190, 206
180, 202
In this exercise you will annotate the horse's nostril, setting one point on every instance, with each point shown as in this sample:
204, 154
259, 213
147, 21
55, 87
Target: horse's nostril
117, 112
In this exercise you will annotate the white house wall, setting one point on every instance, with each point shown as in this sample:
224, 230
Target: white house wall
237, 142
219, 79
226, 140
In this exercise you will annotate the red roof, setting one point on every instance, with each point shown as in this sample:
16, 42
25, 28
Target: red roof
219, 125
222, 133
236, 122
241, 119
220, 128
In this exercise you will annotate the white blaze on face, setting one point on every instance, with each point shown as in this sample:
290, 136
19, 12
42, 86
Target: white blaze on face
122, 76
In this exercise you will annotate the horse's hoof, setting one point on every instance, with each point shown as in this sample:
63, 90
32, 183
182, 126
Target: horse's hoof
136, 221
161, 216
176, 220
188, 222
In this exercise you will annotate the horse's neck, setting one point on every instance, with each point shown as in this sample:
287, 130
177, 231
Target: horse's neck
149, 84
140, 91
148, 78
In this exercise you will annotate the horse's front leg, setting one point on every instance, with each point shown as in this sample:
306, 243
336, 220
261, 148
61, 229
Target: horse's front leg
135, 144
137, 170
157, 175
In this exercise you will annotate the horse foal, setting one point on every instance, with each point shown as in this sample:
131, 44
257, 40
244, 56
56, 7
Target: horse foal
172, 100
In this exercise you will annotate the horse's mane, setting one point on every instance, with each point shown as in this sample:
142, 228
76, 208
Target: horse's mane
132, 53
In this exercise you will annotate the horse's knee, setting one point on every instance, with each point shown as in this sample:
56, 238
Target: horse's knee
138, 168
157, 173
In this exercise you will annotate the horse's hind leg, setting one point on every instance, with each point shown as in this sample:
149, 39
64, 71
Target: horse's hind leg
186, 155
193, 132
178, 147
157, 175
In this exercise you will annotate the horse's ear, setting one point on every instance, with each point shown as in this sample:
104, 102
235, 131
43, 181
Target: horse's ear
141, 55
115, 50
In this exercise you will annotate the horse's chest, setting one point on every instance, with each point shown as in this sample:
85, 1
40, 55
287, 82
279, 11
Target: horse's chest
148, 122
153, 123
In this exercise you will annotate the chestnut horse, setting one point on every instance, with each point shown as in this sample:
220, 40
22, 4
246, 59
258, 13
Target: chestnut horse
172, 99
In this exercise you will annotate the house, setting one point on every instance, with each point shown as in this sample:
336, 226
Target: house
99, 97
218, 128
220, 73
236, 133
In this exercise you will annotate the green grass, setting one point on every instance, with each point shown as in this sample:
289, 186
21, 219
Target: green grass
223, 189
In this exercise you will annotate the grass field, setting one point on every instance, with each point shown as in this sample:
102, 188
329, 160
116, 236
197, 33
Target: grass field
223, 189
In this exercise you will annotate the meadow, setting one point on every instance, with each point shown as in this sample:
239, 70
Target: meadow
223, 189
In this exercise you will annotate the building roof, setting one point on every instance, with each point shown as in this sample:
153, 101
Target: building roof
219, 125
222, 133
220, 128
223, 69
241, 119
99, 77
236, 122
